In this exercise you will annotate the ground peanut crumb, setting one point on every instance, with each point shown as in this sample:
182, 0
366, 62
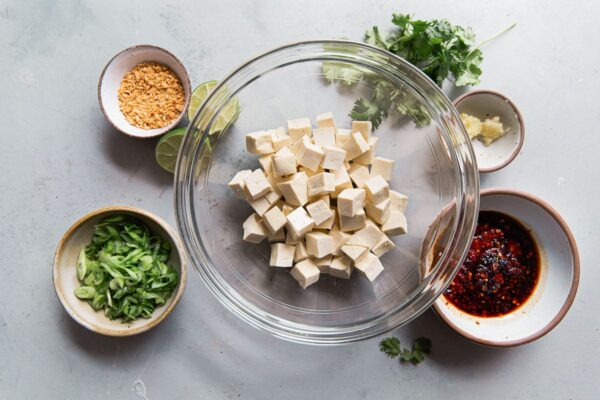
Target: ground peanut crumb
151, 96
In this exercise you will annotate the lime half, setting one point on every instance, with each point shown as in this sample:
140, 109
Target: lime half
225, 117
168, 148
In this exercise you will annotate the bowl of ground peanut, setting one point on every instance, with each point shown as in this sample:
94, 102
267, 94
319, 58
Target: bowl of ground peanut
144, 91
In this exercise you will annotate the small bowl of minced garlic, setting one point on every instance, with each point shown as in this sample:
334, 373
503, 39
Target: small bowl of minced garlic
144, 91
495, 126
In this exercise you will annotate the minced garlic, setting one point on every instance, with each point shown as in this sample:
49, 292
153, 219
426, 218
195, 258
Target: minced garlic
487, 131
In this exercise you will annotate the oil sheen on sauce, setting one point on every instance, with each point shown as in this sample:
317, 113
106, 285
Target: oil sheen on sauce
500, 271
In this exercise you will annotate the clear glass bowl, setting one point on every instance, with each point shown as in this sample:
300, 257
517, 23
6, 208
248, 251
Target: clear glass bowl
435, 167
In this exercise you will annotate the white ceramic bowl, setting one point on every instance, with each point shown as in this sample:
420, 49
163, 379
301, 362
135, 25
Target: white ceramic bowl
115, 70
488, 104
557, 285
65, 277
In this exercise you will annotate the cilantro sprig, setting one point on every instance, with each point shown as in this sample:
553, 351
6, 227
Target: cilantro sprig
391, 347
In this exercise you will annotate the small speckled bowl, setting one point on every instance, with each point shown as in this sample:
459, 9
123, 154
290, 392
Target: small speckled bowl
485, 104
65, 278
556, 287
115, 70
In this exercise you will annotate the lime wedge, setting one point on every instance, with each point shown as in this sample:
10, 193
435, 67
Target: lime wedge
168, 148
225, 117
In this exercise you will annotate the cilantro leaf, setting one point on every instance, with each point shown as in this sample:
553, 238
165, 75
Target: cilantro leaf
368, 110
390, 346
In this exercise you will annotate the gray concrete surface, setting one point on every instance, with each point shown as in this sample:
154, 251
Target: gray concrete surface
59, 159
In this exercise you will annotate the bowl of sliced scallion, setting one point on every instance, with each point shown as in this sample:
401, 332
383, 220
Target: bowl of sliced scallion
119, 270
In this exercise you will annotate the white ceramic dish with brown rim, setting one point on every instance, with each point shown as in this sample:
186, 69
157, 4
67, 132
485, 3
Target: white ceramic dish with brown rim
485, 104
115, 70
557, 283
65, 278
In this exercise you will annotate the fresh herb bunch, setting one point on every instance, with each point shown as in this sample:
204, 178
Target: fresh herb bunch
124, 270
391, 347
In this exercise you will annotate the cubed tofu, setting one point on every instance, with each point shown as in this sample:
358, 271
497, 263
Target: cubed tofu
321, 184
364, 127
395, 225
280, 138
306, 273
326, 120
309, 155
355, 146
334, 158
300, 222
277, 237
359, 175
266, 162
292, 238
272, 197
378, 189
341, 267
351, 202
274, 220
286, 209
398, 201
254, 230
319, 244
295, 189
342, 136
383, 246
328, 223
342, 182
379, 212
284, 162
301, 253
282, 255
383, 167
323, 263
367, 157
297, 128
367, 237
354, 252
257, 184
349, 224
339, 239
369, 265
237, 185
319, 211
309, 172
324, 137
260, 206
260, 142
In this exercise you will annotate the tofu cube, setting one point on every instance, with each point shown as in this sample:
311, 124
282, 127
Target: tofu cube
359, 175
260, 206
342, 182
334, 158
369, 265
280, 138
272, 197
319, 211
395, 224
367, 237
257, 184
319, 244
364, 127
355, 146
378, 189
339, 239
266, 162
342, 136
383, 246
328, 223
367, 157
295, 189
341, 267
284, 162
301, 253
398, 201
383, 167
321, 184
254, 230
351, 202
260, 142
298, 128
237, 185
323, 263
277, 237
282, 255
324, 137
306, 273
309, 155
349, 224
300, 222
274, 220
354, 252
326, 120
379, 212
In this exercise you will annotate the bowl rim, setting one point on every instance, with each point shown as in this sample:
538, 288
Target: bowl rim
173, 237
185, 81
575, 265
517, 149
